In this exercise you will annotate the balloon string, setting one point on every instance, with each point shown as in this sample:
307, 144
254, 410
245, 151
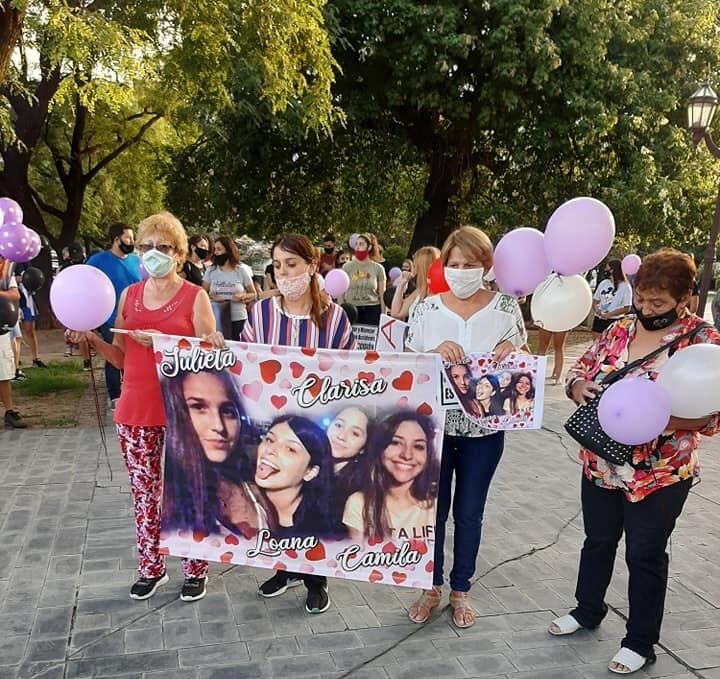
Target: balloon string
99, 414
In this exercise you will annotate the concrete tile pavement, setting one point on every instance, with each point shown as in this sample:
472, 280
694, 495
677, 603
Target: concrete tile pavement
66, 563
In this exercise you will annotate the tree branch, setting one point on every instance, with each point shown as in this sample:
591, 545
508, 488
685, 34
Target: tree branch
46, 207
88, 177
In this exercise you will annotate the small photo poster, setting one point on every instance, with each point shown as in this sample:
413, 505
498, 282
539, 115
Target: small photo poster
503, 396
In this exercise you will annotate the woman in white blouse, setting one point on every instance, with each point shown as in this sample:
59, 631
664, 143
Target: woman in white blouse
467, 319
612, 299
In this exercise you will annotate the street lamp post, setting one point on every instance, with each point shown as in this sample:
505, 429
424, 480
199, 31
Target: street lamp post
701, 108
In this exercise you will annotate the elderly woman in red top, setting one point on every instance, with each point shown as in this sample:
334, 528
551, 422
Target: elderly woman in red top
167, 304
643, 498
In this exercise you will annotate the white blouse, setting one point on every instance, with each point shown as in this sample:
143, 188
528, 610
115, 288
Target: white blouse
432, 323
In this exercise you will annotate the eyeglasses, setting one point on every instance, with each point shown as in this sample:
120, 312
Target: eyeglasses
165, 248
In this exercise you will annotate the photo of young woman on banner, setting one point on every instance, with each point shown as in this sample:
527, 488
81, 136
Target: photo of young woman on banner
504, 396
307, 460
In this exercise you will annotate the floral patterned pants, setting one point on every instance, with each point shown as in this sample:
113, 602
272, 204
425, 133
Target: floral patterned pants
142, 449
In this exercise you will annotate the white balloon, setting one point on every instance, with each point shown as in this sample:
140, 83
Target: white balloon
561, 303
691, 378
320, 280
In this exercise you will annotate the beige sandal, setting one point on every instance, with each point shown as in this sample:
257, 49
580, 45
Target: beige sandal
463, 613
422, 609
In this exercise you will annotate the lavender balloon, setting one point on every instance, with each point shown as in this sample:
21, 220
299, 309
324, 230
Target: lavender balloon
352, 240
631, 264
336, 282
11, 211
15, 242
634, 411
519, 262
578, 236
35, 245
394, 273
82, 297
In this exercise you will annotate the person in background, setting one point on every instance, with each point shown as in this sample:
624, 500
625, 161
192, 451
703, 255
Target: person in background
694, 302
28, 317
558, 342
328, 256
169, 305
8, 291
301, 315
367, 282
405, 300
229, 286
379, 249
193, 268
341, 258
122, 267
643, 498
613, 297
715, 310
468, 318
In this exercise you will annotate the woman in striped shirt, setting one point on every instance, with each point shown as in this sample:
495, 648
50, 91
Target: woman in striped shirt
302, 315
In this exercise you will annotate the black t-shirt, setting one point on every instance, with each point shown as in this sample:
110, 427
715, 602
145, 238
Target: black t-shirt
193, 273
696, 289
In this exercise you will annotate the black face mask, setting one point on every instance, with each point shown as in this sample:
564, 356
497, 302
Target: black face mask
125, 248
219, 260
660, 322
202, 253
329, 251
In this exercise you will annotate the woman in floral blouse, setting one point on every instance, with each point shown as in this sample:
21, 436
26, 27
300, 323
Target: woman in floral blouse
645, 497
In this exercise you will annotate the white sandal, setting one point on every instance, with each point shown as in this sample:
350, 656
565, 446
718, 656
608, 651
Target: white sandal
631, 660
566, 625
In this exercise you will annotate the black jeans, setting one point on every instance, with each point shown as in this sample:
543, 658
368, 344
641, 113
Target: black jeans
311, 581
648, 525
369, 315
236, 330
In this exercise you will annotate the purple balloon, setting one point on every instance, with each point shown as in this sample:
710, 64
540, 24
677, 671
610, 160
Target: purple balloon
631, 264
10, 211
352, 240
35, 245
15, 242
519, 262
634, 411
336, 282
578, 236
394, 273
82, 297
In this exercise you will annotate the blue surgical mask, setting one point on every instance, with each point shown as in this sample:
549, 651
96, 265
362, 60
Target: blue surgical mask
157, 264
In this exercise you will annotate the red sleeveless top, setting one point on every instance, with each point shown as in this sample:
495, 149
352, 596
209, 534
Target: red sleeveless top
140, 401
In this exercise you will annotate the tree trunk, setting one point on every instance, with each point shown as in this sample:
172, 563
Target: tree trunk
10, 26
443, 184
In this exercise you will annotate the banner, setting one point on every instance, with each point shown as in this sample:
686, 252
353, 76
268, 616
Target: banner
366, 336
391, 334
502, 396
313, 461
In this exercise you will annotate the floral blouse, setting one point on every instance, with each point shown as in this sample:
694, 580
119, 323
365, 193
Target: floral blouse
673, 456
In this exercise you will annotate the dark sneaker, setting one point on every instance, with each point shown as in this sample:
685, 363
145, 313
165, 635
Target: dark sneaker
144, 588
193, 589
38, 363
13, 420
279, 584
318, 600
87, 365
20, 376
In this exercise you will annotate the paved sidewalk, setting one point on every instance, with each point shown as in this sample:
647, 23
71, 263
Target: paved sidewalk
66, 563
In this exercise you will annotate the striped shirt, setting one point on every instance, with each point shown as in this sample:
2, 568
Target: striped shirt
267, 323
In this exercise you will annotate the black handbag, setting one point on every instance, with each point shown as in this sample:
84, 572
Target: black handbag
584, 425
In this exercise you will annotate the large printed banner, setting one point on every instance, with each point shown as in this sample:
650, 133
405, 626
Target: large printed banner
503, 396
313, 461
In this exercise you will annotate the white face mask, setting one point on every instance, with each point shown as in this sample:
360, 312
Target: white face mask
157, 263
464, 283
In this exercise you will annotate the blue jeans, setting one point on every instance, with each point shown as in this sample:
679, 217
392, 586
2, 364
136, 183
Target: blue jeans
112, 374
473, 461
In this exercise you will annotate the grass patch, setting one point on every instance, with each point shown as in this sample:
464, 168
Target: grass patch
60, 422
66, 377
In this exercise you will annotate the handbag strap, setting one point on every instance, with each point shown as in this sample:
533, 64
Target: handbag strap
614, 376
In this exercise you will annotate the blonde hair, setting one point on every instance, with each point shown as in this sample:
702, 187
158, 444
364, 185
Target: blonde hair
473, 243
167, 225
422, 260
